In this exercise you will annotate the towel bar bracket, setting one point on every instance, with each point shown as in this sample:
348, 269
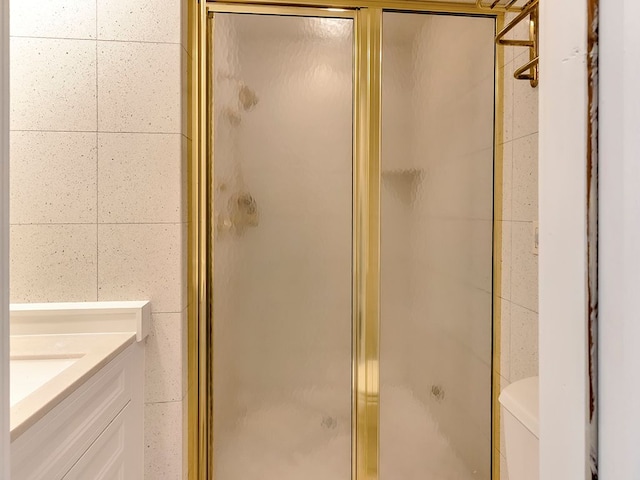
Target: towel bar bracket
529, 12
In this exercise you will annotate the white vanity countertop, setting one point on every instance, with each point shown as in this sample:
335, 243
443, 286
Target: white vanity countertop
83, 354
58, 347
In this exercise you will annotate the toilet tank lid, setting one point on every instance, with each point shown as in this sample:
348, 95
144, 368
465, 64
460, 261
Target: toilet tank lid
521, 400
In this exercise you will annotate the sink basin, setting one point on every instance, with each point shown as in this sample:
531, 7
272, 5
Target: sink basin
30, 373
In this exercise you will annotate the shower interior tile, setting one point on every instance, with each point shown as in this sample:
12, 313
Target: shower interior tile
148, 21
163, 372
525, 178
53, 84
53, 263
53, 177
140, 178
139, 87
142, 261
480, 254
54, 19
479, 167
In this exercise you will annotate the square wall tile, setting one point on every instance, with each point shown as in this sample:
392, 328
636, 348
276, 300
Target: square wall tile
184, 23
189, 98
164, 359
54, 19
507, 182
142, 261
53, 84
525, 178
505, 260
185, 353
53, 177
524, 343
507, 129
185, 443
140, 178
525, 105
505, 339
184, 91
524, 266
163, 441
148, 21
139, 86
53, 263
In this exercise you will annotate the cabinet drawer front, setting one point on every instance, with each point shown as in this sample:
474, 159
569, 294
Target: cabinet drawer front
106, 459
49, 449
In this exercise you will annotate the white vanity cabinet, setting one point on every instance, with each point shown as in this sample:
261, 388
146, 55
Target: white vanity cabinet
96, 432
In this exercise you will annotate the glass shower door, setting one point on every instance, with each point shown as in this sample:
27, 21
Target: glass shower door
282, 90
436, 247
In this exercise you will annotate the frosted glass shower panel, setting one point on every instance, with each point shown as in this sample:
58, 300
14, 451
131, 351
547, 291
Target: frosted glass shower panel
282, 183
436, 250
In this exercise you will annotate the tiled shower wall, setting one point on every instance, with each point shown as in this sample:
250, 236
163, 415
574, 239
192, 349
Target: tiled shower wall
519, 290
98, 177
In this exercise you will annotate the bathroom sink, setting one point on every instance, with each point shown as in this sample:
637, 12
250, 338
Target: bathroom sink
30, 373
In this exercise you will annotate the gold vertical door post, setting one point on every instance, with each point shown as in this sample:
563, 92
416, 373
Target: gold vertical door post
367, 246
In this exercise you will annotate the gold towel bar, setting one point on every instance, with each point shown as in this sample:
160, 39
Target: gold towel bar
495, 4
528, 71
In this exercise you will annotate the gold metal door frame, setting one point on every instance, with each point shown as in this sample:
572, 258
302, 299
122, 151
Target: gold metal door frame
367, 92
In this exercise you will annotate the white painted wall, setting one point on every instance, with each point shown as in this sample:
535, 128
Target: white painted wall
619, 334
4, 238
562, 187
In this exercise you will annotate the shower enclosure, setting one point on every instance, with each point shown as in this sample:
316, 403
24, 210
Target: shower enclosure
345, 224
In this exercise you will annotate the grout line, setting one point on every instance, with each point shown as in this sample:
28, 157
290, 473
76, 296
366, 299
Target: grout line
145, 42
64, 224
97, 166
32, 37
511, 140
103, 40
522, 306
96, 131
516, 221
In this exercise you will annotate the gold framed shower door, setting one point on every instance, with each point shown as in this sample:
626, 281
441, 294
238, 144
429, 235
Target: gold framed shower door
367, 93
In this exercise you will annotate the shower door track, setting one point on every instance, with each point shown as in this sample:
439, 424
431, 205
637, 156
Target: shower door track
367, 48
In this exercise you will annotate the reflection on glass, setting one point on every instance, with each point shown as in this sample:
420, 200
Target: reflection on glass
282, 112
437, 204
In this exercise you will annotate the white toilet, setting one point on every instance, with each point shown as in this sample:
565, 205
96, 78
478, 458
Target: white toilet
520, 421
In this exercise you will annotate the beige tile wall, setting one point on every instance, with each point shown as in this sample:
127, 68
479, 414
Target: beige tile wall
98, 178
519, 290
